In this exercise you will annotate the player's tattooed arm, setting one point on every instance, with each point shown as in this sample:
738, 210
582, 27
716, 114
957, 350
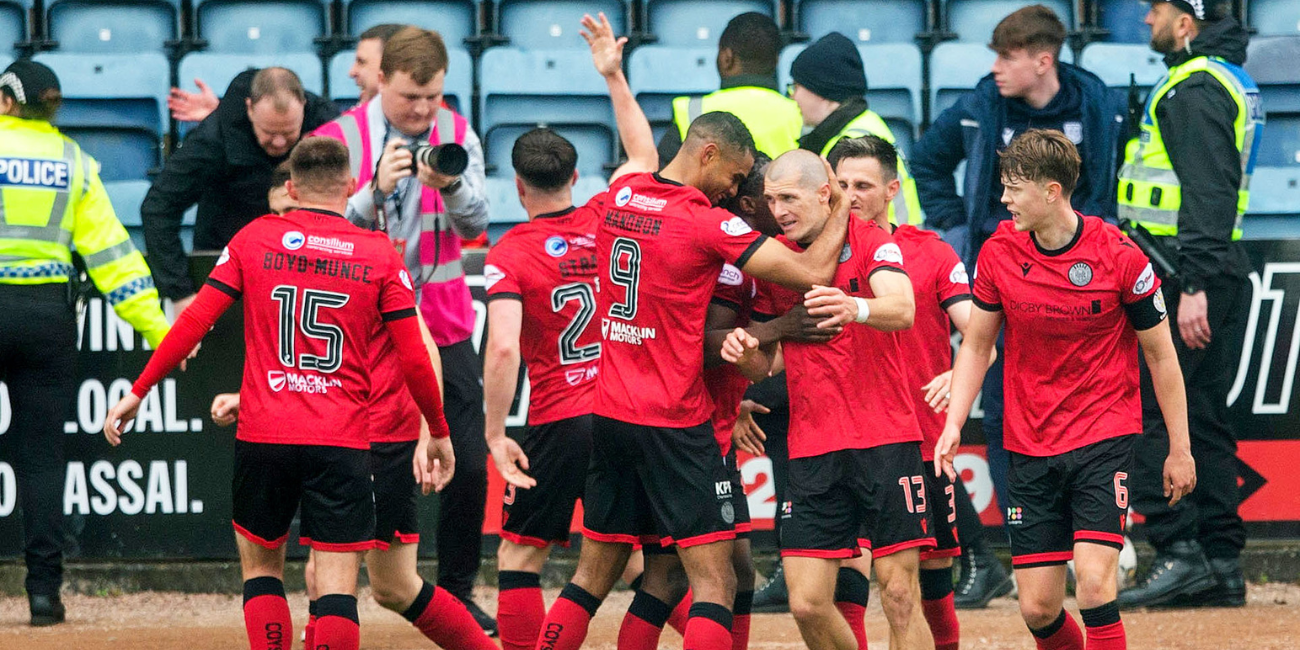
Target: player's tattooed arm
633, 127
1180, 469
500, 374
967, 377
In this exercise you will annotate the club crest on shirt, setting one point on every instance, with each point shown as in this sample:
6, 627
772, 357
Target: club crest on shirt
888, 253
846, 253
1080, 274
1073, 131
556, 246
1145, 280
293, 240
623, 196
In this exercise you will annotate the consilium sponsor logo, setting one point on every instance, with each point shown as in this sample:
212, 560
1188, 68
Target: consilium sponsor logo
648, 204
556, 246
623, 196
331, 245
293, 240
730, 276
280, 380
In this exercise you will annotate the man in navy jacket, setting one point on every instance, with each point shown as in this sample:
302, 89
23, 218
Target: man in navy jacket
1028, 88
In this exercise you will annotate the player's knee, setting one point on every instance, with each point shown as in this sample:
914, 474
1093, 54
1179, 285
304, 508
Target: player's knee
1095, 587
392, 597
1038, 613
898, 598
810, 608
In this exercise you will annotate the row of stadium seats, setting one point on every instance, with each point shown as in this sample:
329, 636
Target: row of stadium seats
278, 26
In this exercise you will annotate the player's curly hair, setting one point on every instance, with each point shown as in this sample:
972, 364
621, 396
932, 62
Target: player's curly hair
1039, 155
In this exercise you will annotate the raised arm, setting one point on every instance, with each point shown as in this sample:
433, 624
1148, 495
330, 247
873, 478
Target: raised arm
633, 127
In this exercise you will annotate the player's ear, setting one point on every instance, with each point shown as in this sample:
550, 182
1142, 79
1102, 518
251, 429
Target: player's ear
891, 190
707, 153
519, 187
1053, 191
352, 185
574, 181
293, 190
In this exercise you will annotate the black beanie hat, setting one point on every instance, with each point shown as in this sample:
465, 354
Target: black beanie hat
831, 68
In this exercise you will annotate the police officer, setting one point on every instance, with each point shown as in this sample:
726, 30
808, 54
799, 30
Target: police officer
830, 87
747, 56
1185, 180
51, 200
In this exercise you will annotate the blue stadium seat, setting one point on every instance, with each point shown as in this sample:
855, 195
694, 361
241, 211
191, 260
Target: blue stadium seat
551, 24
659, 73
128, 196
1114, 62
261, 26
457, 90
112, 26
696, 23
1274, 17
872, 21
5, 60
893, 85
1271, 62
1275, 191
218, 70
506, 212
456, 20
13, 24
115, 106
1123, 19
557, 88
974, 20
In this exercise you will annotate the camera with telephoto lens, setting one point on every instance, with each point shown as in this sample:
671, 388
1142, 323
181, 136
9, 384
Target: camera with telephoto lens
448, 159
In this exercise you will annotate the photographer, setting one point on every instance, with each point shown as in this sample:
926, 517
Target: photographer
426, 213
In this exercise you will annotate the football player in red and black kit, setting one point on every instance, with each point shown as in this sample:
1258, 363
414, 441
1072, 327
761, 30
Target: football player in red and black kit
657, 473
851, 460
866, 168
1077, 298
317, 291
540, 282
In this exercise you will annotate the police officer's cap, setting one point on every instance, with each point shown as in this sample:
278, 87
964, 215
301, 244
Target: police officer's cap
27, 81
1197, 8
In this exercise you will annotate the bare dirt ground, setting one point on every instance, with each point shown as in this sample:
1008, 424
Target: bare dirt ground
149, 621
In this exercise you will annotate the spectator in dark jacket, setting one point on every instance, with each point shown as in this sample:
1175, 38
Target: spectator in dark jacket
1028, 88
224, 165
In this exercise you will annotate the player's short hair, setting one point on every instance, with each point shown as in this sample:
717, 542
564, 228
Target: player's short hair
720, 128
867, 146
1035, 28
319, 166
382, 32
755, 40
1039, 155
418, 52
281, 85
752, 185
544, 159
280, 175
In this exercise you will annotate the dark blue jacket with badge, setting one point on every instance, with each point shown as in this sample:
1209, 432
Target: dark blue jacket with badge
970, 130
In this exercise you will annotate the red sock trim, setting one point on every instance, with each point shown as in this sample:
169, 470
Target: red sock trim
706, 634
856, 615
520, 613
941, 615
740, 624
446, 622
1107, 637
681, 613
338, 633
268, 623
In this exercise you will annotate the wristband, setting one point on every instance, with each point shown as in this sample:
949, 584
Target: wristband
864, 310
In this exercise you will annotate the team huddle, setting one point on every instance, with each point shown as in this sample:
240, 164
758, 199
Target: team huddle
642, 317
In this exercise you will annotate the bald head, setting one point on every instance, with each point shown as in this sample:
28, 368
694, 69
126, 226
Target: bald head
798, 167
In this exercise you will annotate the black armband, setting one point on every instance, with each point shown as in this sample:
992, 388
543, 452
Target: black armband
1147, 312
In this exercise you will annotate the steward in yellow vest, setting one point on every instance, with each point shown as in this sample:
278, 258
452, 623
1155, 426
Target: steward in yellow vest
829, 85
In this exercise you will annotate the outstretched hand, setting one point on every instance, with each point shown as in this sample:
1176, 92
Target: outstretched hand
606, 50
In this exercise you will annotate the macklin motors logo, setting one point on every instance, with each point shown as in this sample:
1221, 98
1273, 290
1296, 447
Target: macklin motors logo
280, 380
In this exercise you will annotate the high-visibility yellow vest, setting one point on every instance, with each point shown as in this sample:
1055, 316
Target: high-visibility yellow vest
906, 206
773, 119
1149, 191
51, 200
